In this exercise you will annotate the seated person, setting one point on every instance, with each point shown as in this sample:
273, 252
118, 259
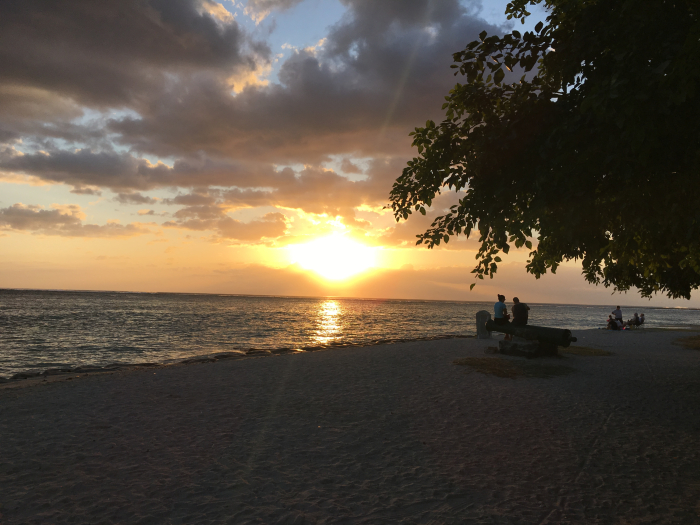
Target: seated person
501, 314
641, 320
519, 312
634, 321
612, 323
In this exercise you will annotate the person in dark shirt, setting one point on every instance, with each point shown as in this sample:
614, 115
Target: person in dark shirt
519, 312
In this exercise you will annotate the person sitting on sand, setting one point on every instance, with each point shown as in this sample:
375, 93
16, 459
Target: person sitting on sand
500, 313
519, 312
612, 323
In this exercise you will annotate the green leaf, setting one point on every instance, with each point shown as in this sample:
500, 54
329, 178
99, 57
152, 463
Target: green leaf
498, 76
535, 160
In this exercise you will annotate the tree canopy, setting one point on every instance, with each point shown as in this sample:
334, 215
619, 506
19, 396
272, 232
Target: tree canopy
593, 154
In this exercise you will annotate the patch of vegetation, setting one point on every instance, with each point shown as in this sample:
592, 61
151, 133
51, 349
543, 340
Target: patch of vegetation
584, 351
513, 369
692, 342
532, 160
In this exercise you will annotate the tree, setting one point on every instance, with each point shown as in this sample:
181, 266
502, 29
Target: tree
594, 153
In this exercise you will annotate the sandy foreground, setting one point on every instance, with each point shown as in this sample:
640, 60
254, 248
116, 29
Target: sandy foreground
383, 434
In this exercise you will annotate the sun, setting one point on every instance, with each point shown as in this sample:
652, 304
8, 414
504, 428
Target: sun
334, 257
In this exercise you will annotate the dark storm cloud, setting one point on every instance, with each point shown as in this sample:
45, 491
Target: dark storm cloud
65, 222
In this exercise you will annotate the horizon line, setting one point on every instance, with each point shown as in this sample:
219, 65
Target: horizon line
322, 297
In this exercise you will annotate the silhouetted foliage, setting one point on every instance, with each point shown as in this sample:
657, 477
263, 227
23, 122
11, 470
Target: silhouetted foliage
594, 153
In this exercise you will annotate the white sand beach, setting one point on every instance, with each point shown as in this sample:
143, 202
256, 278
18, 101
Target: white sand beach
383, 434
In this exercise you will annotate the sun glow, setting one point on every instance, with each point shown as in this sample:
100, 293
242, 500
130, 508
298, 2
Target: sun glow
334, 257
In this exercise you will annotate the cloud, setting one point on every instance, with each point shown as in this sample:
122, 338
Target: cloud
192, 199
85, 168
321, 191
312, 189
347, 166
85, 191
115, 51
65, 221
258, 10
217, 11
99, 91
214, 217
134, 198
272, 225
378, 74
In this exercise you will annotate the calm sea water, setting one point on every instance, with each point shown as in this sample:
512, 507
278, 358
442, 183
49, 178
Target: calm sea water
47, 329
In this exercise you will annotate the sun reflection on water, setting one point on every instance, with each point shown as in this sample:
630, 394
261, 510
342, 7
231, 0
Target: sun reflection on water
327, 322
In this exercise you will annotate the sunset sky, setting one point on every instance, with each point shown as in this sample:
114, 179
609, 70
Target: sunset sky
236, 147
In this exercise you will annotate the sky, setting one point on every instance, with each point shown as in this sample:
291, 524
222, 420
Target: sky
243, 147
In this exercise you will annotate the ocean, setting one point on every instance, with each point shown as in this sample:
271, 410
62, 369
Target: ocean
63, 329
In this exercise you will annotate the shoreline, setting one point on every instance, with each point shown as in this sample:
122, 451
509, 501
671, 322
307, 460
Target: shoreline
396, 433
36, 376
45, 373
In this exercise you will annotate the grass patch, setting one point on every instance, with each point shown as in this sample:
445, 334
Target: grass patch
498, 367
692, 342
585, 351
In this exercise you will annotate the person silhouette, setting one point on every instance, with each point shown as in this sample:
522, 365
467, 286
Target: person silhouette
618, 314
500, 314
519, 312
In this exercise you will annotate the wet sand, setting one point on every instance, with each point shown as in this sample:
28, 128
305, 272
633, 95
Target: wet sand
381, 434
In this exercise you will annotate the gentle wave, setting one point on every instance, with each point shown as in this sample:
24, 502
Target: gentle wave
211, 358
42, 330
